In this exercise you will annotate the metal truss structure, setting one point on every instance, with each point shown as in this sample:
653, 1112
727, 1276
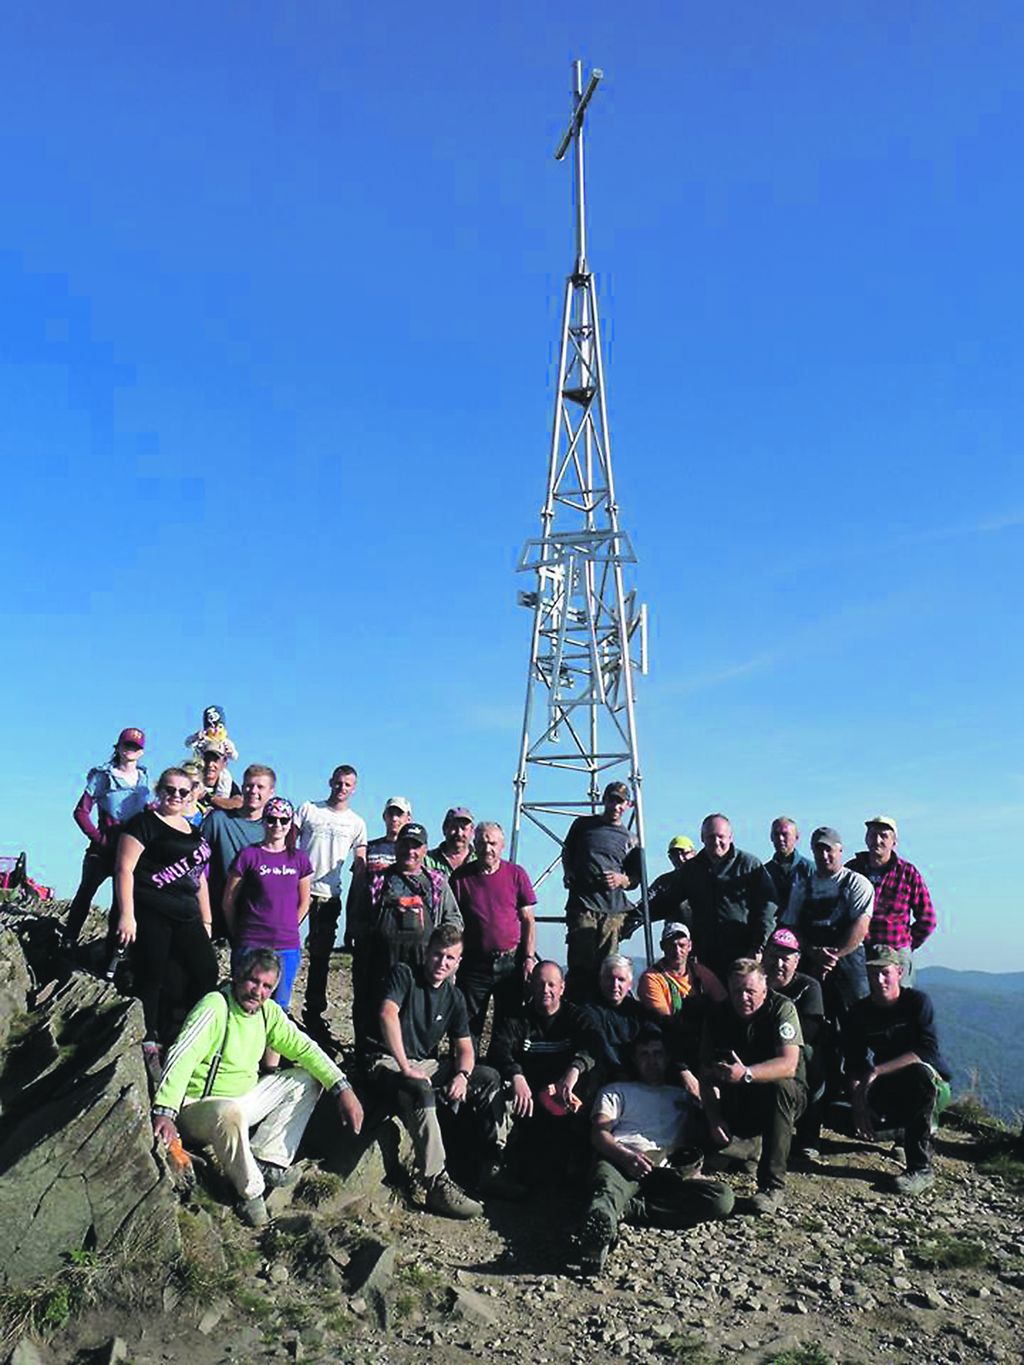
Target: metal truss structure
589, 634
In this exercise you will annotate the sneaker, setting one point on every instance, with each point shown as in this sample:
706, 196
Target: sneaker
767, 1201
153, 1060
595, 1242
253, 1212
915, 1182
277, 1177
445, 1198
494, 1181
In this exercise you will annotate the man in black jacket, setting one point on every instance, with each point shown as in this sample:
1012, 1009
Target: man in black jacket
897, 1075
731, 899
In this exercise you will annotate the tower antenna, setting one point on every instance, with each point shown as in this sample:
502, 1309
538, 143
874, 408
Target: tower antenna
589, 635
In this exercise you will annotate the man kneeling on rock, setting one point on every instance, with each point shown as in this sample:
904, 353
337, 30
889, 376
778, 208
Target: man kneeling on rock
752, 1074
211, 1089
897, 1076
422, 1006
647, 1135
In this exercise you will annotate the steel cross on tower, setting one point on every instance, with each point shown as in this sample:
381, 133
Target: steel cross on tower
589, 634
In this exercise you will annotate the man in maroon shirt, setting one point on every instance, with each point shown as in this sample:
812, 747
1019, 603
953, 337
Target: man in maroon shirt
496, 899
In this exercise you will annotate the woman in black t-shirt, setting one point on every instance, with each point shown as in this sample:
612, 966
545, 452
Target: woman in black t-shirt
164, 903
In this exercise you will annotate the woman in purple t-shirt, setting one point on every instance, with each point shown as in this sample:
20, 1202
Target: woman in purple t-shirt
267, 895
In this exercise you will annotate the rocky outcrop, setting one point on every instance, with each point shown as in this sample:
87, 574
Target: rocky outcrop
77, 1168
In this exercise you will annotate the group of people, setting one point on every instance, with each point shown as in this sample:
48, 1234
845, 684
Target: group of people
781, 987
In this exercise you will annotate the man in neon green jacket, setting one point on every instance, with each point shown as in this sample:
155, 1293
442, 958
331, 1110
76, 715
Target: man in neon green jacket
212, 1090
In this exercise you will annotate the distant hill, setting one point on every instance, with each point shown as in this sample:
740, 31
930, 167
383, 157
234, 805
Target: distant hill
981, 1031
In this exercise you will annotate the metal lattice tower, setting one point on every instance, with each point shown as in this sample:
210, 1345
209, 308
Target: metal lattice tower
589, 634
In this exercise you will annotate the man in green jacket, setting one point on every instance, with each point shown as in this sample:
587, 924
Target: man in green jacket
212, 1091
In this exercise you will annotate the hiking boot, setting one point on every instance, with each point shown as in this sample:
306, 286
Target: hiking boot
445, 1198
494, 1181
767, 1201
277, 1177
253, 1212
915, 1182
595, 1241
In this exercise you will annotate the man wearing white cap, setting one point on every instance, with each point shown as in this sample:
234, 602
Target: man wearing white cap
903, 914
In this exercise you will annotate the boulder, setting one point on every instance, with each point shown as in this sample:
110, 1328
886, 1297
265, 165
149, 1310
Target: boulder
77, 1168
15, 982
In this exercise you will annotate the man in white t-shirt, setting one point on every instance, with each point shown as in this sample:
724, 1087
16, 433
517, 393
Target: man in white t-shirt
328, 832
638, 1128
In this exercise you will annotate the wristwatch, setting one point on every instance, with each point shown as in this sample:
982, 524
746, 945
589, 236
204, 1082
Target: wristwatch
748, 1076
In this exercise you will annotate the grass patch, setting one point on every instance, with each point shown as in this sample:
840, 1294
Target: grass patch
809, 1353
252, 1302
44, 1308
418, 1276
688, 1348
405, 1307
812, 1224
316, 1188
946, 1252
1005, 1165
969, 1115
868, 1246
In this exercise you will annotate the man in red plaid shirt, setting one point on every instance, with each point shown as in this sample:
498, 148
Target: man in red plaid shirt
903, 915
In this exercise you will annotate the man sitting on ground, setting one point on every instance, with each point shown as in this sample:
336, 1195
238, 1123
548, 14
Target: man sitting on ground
637, 1128
614, 1018
210, 1088
752, 1075
423, 1006
898, 1078
540, 1053
781, 960
678, 990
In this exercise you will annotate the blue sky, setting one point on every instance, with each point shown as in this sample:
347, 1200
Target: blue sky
282, 291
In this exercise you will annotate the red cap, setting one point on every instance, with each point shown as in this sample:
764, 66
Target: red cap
132, 736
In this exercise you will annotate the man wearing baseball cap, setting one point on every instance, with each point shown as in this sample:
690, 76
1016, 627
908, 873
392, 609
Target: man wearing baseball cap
781, 960
601, 861
903, 914
404, 904
458, 828
678, 987
898, 1078
380, 852
830, 912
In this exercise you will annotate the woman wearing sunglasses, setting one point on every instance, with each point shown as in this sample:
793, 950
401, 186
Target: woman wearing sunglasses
266, 897
164, 906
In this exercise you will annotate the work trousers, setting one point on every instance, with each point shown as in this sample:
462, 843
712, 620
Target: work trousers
497, 975
97, 866
324, 914
280, 1105
908, 1099
589, 938
768, 1110
663, 1198
415, 1101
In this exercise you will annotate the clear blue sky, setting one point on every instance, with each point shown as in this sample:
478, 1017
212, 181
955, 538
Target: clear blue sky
281, 289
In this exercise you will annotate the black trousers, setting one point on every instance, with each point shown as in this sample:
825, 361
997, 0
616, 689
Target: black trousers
174, 964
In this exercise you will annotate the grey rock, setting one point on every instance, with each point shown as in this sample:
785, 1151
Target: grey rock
371, 1268
473, 1308
78, 1157
212, 1317
26, 1353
